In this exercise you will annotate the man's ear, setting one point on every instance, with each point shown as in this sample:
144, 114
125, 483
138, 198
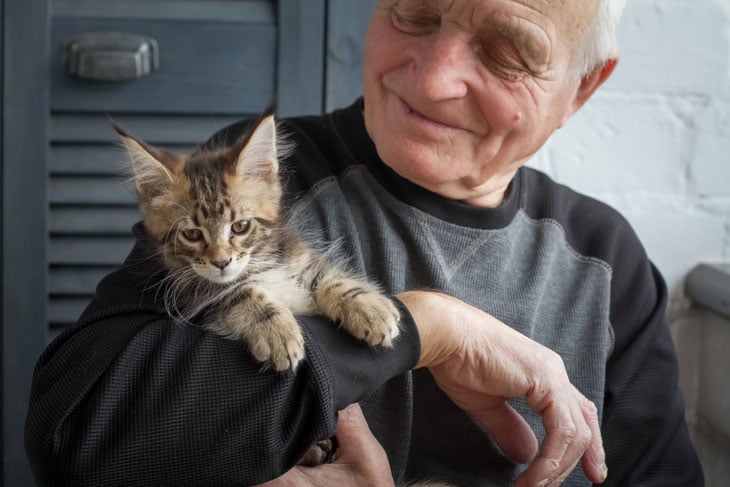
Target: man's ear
589, 84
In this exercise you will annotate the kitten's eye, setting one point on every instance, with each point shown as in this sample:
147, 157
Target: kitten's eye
241, 227
193, 234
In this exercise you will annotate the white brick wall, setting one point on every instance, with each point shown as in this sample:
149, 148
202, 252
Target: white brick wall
654, 142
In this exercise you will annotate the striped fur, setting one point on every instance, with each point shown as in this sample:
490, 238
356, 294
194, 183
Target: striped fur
215, 218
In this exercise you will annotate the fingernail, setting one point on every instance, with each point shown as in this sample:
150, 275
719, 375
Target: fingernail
543, 483
604, 472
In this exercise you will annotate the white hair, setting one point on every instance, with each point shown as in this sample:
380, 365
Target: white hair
599, 43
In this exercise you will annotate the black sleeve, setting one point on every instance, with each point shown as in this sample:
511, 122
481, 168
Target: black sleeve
643, 425
128, 397
644, 430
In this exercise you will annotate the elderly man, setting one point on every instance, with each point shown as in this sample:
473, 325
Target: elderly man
422, 183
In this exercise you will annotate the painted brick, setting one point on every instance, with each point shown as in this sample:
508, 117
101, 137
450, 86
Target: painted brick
654, 142
622, 144
710, 164
673, 46
675, 240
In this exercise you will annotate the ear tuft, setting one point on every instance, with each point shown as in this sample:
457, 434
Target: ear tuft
258, 158
151, 177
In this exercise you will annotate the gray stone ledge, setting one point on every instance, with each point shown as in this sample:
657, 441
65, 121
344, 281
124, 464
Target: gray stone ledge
709, 286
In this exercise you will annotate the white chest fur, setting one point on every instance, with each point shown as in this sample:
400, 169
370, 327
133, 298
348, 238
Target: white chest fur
280, 287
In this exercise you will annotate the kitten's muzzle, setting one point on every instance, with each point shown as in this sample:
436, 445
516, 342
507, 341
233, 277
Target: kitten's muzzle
222, 263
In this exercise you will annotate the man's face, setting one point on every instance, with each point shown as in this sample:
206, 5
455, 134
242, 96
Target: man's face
460, 93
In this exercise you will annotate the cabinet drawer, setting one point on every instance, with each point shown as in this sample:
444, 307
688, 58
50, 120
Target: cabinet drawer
206, 66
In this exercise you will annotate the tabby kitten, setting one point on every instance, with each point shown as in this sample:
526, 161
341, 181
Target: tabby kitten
215, 217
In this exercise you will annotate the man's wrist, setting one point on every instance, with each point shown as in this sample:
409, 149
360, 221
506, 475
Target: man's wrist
438, 340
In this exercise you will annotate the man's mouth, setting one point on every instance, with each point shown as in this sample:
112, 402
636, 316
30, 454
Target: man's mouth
435, 124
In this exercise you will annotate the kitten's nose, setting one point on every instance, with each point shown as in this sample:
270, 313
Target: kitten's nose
221, 264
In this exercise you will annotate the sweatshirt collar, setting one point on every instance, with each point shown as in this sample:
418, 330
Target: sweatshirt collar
351, 121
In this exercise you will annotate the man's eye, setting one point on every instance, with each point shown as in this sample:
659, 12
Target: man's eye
504, 62
415, 21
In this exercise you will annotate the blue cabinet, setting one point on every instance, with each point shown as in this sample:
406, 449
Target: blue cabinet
215, 62
67, 211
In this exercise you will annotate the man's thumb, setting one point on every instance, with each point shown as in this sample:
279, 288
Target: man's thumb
351, 423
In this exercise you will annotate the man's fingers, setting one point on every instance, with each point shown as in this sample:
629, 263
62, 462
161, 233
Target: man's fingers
293, 478
572, 433
552, 462
594, 460
568, 435
351, 417
357, 445
359, 453
352, 430
510, 431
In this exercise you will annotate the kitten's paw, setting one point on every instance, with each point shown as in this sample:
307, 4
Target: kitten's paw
319, 453
278, 342
371, 317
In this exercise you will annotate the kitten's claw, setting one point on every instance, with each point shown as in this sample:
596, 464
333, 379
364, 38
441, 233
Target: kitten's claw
360, 309
278, 343
372, 318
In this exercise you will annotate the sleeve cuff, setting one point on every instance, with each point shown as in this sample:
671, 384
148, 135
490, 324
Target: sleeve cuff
358, 370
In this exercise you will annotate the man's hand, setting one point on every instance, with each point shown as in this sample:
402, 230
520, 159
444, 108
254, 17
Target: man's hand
359, 459
480, 362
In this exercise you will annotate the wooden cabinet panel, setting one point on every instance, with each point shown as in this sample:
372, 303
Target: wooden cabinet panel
205, 67
67, 212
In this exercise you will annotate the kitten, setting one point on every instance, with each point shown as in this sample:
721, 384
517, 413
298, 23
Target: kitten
216, 218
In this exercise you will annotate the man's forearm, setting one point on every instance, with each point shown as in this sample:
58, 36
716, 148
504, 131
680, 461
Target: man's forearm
129, 393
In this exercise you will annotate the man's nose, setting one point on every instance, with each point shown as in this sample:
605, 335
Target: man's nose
444, 65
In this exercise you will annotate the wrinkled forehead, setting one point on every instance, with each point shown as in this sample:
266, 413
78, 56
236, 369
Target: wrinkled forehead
571, 17
565, 20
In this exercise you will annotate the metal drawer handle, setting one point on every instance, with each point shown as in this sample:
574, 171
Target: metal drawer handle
110, 56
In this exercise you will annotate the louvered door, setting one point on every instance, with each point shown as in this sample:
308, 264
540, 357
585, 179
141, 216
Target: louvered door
66, 211
218, 62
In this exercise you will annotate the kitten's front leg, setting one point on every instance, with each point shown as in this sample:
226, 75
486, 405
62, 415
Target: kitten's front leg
359, 307
270, 330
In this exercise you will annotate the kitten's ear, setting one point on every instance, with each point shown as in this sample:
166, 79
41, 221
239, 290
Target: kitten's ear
151, 176
258, 158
